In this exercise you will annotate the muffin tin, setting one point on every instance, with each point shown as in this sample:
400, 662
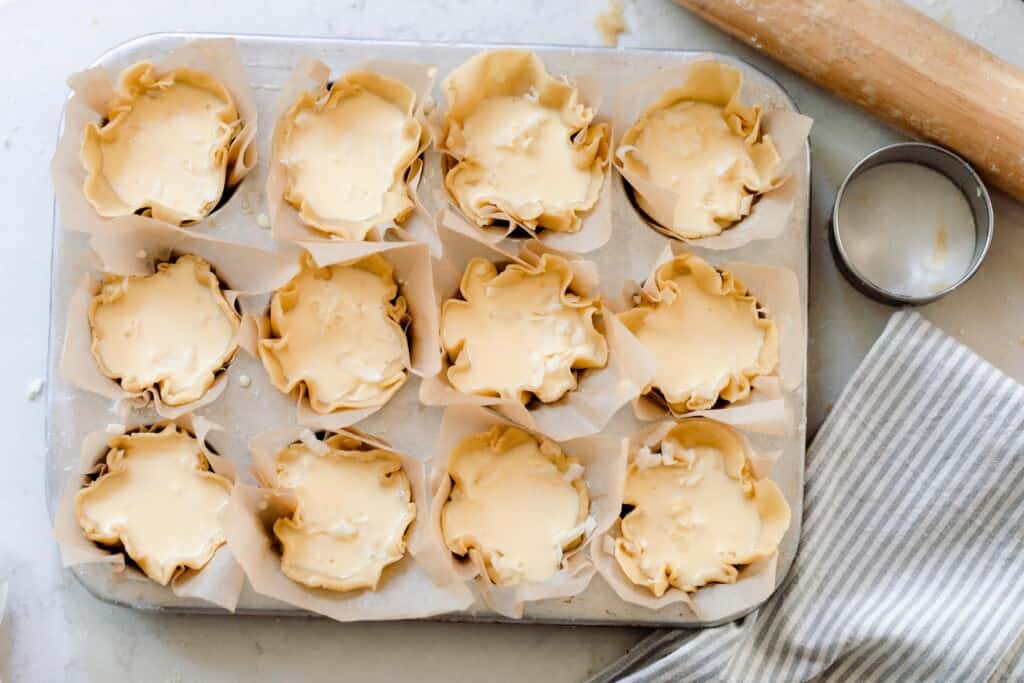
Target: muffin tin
404, 422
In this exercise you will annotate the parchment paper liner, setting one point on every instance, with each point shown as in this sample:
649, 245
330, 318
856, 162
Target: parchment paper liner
596, 227
219, 582
771, 211
247, 271
604, 462
312, 75
600, 392
766, 409
419, 585
712, 602
94, 88
414, 273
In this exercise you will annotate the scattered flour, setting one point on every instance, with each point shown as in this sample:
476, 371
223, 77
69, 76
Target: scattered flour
611, 23
35, 387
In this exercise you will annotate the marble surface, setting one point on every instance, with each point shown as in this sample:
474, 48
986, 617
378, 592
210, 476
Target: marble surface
52, 630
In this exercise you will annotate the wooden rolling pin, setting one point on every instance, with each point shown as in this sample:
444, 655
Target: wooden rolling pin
897, 64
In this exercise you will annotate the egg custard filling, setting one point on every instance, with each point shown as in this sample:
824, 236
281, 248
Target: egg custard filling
698, 513
353, 510
163, 149
518, 502
521, 332
157, 498
170, 332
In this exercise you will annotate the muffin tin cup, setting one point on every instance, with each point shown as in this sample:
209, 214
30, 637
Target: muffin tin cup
599, 392
758, 577
92, 92
777, 291
243, 271
771, 210
597, 224
603, 461
311, 75
219, 582
414, 274
249, 521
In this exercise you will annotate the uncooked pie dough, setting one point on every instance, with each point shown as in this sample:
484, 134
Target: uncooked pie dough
346, 152
707, 334
158, 498
353, 510
702, 144
698, 513
338, 332
516, 500
520, 332
171, 331
522, 147
164, 147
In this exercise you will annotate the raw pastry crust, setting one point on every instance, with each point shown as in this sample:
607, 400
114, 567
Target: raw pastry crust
503, 324
517, 503
500, 104
136, 500
702, 144
366, 338
358, 502
370, 106
167, 327
699, 512
127, 187
665, 304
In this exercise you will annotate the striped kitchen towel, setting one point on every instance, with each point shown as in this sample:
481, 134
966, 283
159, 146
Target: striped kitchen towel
911, 563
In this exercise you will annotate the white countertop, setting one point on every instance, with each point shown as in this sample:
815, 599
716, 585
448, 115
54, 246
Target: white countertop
54, 631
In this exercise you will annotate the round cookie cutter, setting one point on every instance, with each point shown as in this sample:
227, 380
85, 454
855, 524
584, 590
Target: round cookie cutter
952, 167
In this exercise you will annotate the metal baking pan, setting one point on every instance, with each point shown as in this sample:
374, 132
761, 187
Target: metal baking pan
72, 413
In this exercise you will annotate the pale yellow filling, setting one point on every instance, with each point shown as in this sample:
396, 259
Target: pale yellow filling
172, 330
524, 148
352, 514
518, 501
699, 340
346, 154
690, 149
523, 157
705, 334
159, 499
700, 143
164, 149
520, 332
338, 331
698, 517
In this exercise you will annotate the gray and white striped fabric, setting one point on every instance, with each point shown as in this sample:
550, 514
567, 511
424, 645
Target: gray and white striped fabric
911, 562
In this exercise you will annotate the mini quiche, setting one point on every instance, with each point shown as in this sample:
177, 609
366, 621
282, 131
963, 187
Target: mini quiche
520, 146
337, 333
708, 336
164, 148
698, 513
170, 332
156, 497
700, 143
353, 509
517, 502
347, 151
521, 332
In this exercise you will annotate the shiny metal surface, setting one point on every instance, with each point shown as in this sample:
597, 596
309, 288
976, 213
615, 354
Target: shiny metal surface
948, 164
